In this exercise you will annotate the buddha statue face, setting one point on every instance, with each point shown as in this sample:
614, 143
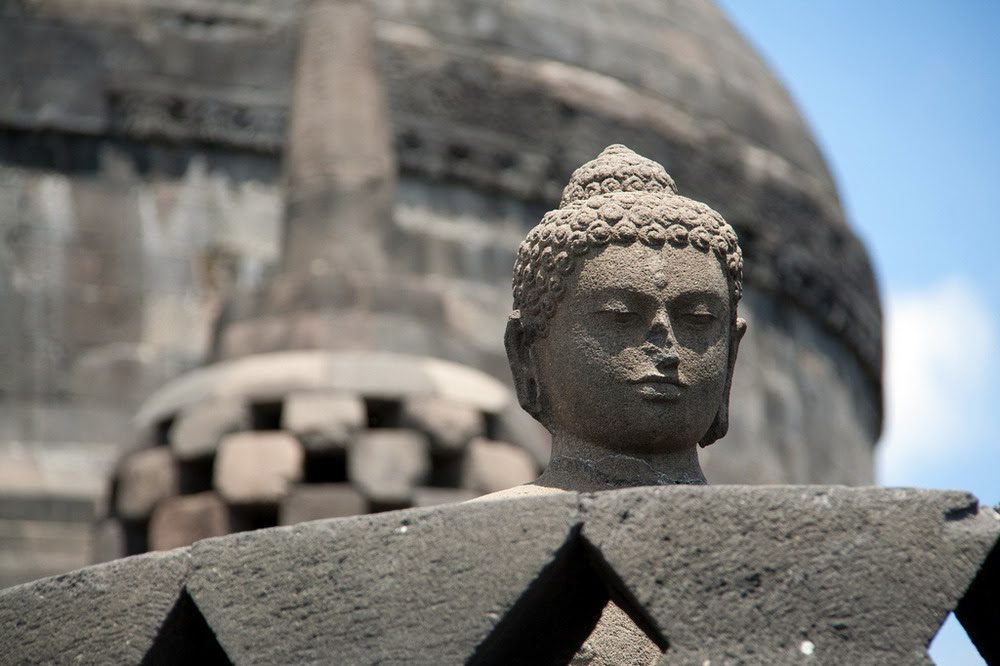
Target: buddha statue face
625, 332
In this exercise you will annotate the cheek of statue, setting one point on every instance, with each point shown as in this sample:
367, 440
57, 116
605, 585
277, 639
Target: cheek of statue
636, 357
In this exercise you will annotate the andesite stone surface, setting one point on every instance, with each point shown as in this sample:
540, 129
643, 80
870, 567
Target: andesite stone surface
718, 573
109, 613
732, 572
378, 588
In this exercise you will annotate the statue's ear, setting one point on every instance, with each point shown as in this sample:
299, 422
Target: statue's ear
720, 426
516, 341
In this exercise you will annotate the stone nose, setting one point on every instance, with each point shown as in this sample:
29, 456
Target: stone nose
660, 344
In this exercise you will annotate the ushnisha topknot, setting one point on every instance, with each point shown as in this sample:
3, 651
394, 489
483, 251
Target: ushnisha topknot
617, 169
619, 197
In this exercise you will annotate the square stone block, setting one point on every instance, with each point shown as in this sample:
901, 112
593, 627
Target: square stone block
323, 421
257, 467
450, 425
199, 428
490, 466
146, 478
182, 520
387, 464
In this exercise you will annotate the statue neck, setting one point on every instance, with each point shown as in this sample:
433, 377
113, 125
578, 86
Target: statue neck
580, 465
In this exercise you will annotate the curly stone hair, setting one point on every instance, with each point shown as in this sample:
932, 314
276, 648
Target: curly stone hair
619, 197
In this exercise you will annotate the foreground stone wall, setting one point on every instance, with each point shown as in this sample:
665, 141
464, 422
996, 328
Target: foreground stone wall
722, 574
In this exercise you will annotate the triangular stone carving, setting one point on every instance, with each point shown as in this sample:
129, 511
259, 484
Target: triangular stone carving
571, 613
617, 640
185, 638
979, 609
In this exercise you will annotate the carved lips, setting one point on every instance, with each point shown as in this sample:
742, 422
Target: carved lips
660, 388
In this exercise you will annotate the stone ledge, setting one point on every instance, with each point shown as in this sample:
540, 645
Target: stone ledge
863, 575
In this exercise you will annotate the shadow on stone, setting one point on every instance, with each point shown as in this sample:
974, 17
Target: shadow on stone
550, 622
979, 610
185, 638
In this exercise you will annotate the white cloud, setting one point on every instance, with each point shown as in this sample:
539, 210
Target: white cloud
940, 350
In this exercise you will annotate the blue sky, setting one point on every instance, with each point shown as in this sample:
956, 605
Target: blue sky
904, 99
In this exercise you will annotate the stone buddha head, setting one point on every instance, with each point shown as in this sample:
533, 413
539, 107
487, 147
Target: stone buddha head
624, 332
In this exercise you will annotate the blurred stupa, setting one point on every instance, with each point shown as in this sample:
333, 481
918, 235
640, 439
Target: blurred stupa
282, 234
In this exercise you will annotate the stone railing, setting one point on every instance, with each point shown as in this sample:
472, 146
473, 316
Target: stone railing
706, 575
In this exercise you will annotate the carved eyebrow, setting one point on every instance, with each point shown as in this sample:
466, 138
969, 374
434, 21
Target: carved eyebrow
703, 295
617, 292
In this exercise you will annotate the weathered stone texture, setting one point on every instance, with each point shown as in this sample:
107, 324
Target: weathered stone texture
756, 572
323, 421
199, 427
146, 478
109, 613
257, 467
615, 641
724, 574
490, 466
326, 500
180, 521
361, 588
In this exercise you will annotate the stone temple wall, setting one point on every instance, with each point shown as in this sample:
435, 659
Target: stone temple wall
142, 193
675, 575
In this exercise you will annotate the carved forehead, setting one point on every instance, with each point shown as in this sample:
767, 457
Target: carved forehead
619, 199
664, 272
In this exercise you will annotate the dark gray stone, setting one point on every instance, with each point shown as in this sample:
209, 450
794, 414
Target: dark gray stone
424, 584
979, 610
768, 575
723, 574
108, 614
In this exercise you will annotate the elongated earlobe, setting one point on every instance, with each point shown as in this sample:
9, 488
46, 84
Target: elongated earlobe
516, 342
720, 426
